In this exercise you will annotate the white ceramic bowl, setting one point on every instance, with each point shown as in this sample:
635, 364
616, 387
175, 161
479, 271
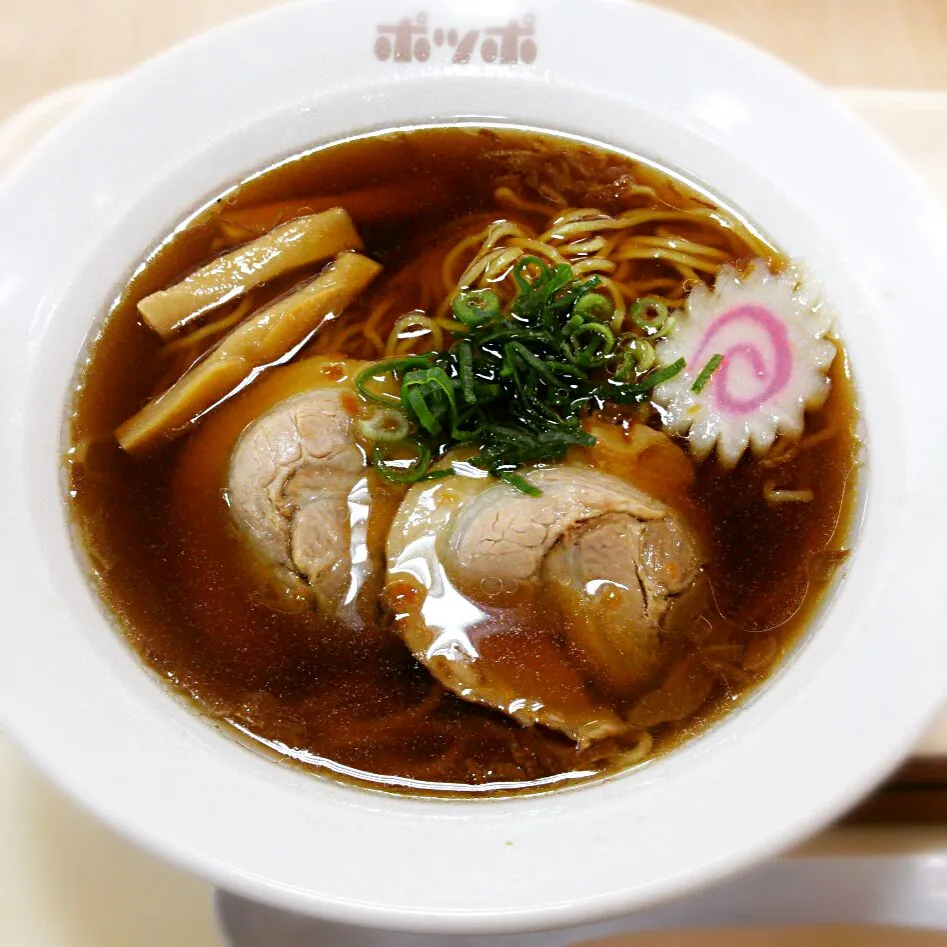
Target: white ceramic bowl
95, 196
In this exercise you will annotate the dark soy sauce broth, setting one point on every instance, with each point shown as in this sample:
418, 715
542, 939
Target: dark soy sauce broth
354, 700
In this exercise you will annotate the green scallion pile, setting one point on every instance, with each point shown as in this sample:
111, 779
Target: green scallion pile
516, 384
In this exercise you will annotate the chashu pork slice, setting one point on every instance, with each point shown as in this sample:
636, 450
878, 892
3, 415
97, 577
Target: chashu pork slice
605, 559
297, 488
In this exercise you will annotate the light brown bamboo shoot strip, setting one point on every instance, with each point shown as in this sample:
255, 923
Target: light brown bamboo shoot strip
260, 340
288, 247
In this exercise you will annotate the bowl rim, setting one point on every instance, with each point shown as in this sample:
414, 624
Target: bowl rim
95, 201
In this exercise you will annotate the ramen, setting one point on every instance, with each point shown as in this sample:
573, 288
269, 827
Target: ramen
464, 459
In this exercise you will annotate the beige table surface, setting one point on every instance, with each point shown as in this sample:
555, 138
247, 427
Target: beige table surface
64, 880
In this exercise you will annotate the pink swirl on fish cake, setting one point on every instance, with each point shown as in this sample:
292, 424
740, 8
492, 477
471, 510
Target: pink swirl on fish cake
781, 369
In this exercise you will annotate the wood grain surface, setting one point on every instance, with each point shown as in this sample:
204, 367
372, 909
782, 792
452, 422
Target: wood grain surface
902, 44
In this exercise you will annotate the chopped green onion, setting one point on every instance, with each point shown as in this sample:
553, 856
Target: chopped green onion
390, 366
572, 324
517, 334
437, 474
517, 382
463, 436
642, 351
567, 297
637, 356
547, 369
403, 471
486, 393
521, 483
383, 425
473, 307
524, 285
630, 394
651, 316
428, 395
465, 372
661, 375
414, 401
595, 352
594, 306
712, 365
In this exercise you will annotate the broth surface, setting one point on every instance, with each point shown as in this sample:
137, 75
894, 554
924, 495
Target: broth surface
167, 562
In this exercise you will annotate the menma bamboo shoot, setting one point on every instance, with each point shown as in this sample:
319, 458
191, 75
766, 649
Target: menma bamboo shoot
263, 338
292, 245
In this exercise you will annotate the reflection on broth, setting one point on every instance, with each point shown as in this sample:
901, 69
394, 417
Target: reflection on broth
464, 460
